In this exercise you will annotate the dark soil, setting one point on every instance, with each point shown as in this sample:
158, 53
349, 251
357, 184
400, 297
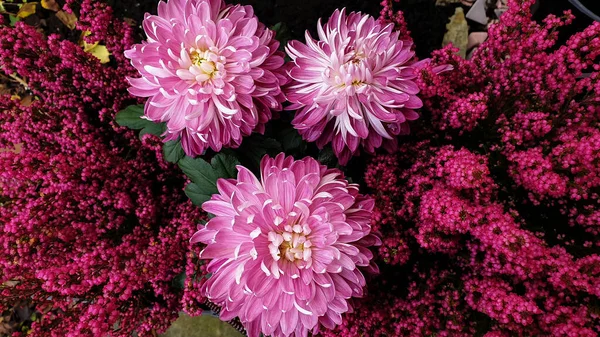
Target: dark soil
425, 20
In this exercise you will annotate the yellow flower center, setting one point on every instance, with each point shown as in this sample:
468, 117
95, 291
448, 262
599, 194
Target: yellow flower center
292, 244
201, 60
294, 248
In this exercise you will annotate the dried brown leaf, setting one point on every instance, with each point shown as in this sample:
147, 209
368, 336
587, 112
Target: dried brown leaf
69, 19
130, 22
27, 100
51, 5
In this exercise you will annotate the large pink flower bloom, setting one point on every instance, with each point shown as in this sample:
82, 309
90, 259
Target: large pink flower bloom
354, 86
212, 73
286, 249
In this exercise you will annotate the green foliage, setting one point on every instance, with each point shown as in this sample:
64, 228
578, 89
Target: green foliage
204, 175
327, 157
253, 149
282, 34
131, 117
178, 281
291, 141
13, 19
173, 151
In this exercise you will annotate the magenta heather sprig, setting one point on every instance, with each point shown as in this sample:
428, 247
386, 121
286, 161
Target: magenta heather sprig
488, 213
96, 226
490, 218
543, 129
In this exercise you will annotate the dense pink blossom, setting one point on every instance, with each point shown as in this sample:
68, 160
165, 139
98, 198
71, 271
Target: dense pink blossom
490, 217
95, 225
389, 15
286, 248
545, 130
353, 87
211, 71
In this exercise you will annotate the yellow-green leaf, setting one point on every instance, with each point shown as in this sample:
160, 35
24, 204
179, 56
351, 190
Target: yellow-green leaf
27, 9
51, 5
100, 52
13, 20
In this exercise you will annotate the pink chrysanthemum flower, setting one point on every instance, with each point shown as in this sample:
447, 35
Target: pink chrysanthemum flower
286, 249
212, 72
354, 86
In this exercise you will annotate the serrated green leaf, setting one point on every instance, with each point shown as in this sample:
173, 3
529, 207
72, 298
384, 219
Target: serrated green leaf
255, 147
291, 141
282, 34
200, 172
13, 20
172, 151
226, 164
156, 129
276, 27
196, 194
327, 157
131, 117
204, 175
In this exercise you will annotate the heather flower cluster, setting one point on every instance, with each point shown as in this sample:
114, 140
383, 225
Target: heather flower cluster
211, 71
95, 225
285, 250
484, 222
544, 130
490, 217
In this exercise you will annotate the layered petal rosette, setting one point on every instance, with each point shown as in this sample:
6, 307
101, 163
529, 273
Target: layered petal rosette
354, 87
211, 71
286, 248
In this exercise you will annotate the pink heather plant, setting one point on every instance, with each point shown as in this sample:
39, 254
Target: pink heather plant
491, 219
286, 249
211, 71
94, 225
354, 86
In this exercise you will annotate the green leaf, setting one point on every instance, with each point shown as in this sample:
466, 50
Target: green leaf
172, 151
277, 27
178, 281
131, 117
291, 141
196, 195
225, 164
199, 172
13, 20
282, 34
156, 129
255, 147
327, 157
204, 176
